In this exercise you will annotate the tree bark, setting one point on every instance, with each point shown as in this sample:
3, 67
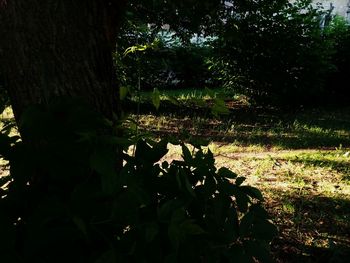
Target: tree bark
52, 48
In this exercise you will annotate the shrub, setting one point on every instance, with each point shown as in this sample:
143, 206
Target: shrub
67, 200
170, 64
338, 32
274, 52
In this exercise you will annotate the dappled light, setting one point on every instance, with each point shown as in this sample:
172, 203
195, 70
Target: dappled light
177, 131
299, 130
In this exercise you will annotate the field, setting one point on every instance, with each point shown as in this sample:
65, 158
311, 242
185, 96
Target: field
299, 159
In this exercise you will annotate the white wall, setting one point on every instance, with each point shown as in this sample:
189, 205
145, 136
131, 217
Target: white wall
341, 7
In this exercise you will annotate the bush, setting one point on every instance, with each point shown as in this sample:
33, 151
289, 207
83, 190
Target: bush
169, 64
67, 200
274, 52
338, 32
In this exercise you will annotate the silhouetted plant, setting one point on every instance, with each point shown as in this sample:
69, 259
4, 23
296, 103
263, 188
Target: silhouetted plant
67, 199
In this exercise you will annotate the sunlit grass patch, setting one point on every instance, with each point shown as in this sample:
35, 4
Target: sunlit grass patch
262, 132
335, 162
7, 113
7, 119
307, 193
185, 94
234, 147
309, 202
5, 116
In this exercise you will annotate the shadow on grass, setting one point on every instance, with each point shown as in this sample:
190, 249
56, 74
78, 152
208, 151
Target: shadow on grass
328, 118
315, 230
266, 127
291, 140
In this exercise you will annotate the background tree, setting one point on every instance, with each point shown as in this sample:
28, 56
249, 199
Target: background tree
53, 49
274, 52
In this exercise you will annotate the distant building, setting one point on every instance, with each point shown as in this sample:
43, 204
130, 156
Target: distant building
338, 7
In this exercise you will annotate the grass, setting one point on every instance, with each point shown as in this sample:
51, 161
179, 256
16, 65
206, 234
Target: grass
307, 193
5, 117
293, 131
184, 94
300, 160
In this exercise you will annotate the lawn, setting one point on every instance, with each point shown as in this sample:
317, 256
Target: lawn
299, 159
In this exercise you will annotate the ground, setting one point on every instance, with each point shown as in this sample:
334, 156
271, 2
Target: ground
299, 159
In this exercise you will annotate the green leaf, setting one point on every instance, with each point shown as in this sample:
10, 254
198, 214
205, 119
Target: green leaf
126, 208
209, 185
255, 224
199, 142
174, 235
264, 230
8, 234
237, 254
219, 108
252, 192
178, 215
151, 231
80, 225
107, 257
136, 48
156, 98
142, 150
159, 150
246, 224
240, 180
199, 102
242, 199
165, 211
189, 228
123, 92
103, 161
120, 141
224, 172
171, 258
187, 183
173, 100
186, 154
5, 145
259, 250
259, 211
178, 180
231, 225
210, 92
140, 194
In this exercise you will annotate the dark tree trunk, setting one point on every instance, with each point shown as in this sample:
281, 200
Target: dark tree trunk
52, 48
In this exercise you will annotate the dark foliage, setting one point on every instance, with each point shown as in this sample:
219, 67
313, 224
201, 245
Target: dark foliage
66, 200
274, 52
337, 87
167, 64
277, 53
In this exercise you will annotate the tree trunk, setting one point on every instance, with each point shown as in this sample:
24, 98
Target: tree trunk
54, 48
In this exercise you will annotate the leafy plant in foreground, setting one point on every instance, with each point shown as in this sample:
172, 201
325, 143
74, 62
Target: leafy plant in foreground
68, 200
